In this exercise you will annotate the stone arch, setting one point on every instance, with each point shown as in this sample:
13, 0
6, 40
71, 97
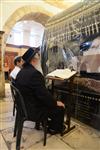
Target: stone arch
21, 12
36, 16
12, 20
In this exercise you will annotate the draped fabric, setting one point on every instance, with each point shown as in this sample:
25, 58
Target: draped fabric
90, 61
64, 35
44, 56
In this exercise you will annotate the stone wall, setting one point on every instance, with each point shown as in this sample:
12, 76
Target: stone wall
2, 82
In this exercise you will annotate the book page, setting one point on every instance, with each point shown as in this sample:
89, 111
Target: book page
62, 73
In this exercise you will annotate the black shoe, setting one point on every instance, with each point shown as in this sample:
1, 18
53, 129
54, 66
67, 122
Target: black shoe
52, 132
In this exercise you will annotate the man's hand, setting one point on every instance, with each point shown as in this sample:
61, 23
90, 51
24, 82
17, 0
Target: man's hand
60, 104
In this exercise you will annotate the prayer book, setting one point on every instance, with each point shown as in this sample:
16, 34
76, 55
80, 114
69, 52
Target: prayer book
62, 73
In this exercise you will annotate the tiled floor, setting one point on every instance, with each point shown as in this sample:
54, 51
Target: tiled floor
81, 138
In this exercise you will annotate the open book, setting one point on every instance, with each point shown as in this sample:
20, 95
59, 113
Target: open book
62, 73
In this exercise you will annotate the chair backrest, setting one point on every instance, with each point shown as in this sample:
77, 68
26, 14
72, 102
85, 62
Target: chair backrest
12, 92
19, 101
12, 81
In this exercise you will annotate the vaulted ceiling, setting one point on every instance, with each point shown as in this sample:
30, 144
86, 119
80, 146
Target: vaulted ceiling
58, 4
37, 10
62, 4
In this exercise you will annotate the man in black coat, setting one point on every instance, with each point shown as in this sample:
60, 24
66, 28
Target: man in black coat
38, 100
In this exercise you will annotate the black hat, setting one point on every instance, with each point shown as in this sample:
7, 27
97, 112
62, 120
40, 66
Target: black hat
17, 59
29, 54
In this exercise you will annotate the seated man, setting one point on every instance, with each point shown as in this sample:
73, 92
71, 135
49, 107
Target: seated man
38, 101
18, 65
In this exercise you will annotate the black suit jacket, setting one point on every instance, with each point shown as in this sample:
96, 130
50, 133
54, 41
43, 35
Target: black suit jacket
31, 84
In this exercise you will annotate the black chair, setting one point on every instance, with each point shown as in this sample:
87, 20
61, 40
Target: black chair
21, 116
14, 107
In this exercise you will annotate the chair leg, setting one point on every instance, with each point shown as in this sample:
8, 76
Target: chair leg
16, 124
14, 109
19, 134
37, 125
45, 133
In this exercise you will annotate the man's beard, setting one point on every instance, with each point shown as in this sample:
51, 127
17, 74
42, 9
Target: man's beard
38, 67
